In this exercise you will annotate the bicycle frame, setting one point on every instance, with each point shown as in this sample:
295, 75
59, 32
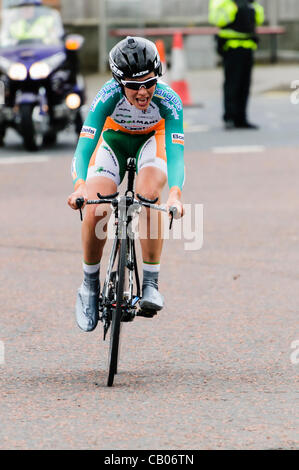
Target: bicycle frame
122, 221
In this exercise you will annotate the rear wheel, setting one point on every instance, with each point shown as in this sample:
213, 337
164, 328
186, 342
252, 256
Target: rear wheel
117, 314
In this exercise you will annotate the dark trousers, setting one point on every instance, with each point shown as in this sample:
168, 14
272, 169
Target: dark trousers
238, 65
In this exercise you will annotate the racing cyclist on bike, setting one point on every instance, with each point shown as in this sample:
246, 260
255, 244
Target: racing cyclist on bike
132, 115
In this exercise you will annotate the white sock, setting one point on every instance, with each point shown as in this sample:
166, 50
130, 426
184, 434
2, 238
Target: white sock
91, 268
152, 268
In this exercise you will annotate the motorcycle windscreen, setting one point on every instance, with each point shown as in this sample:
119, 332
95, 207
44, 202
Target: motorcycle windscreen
30, 24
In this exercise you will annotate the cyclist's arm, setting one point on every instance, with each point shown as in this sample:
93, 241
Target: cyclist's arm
100, 109
171, 109
174, 140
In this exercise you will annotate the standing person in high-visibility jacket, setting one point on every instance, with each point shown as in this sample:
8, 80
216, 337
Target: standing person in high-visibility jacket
237, 41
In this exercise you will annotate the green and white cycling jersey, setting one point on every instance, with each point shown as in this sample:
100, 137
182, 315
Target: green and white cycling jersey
115, 126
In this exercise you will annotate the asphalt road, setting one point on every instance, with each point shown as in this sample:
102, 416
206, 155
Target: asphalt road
216, 368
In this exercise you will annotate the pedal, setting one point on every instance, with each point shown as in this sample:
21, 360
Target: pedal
128, 316
146, 313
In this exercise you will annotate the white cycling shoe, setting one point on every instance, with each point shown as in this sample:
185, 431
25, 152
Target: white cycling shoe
151, 298
87, 306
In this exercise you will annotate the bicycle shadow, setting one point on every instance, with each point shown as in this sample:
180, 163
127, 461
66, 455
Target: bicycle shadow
54, 381
162, 377
80, 381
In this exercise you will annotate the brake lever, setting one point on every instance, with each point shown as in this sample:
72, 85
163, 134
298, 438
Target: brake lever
79, 203
171, 220
172, 211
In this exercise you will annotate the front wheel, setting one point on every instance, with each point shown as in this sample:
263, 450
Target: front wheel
31, 138
50, 139
117, 314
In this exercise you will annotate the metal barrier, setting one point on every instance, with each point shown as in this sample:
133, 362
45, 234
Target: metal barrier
272, 31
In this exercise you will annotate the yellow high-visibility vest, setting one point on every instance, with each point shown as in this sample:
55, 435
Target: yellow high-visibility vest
222, 13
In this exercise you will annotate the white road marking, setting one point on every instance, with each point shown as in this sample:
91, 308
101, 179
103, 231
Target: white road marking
20, 160
239, 149
197, 128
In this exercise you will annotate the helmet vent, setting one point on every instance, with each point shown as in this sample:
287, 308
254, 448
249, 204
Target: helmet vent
136, 57
126, 58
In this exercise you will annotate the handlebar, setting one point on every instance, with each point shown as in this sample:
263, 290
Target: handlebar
110, 196
148, 201
112, 199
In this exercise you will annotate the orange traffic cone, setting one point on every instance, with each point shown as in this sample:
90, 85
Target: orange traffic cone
178, 69
161, 51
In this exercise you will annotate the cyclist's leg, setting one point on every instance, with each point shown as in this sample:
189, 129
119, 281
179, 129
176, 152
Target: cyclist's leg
94, 229
149, 184
151, 179
152, 176
105, 173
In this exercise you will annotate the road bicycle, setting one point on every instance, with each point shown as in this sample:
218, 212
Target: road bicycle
120, 296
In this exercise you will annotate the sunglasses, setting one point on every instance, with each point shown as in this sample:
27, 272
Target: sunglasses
134, 85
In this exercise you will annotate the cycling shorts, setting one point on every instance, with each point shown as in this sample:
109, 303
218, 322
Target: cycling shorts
115, 147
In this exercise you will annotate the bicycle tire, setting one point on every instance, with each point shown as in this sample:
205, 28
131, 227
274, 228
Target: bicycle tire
117, 314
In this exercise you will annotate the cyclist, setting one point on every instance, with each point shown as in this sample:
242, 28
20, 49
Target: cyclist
132, 115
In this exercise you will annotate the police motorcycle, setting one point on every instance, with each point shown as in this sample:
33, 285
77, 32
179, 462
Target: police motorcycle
42, 90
